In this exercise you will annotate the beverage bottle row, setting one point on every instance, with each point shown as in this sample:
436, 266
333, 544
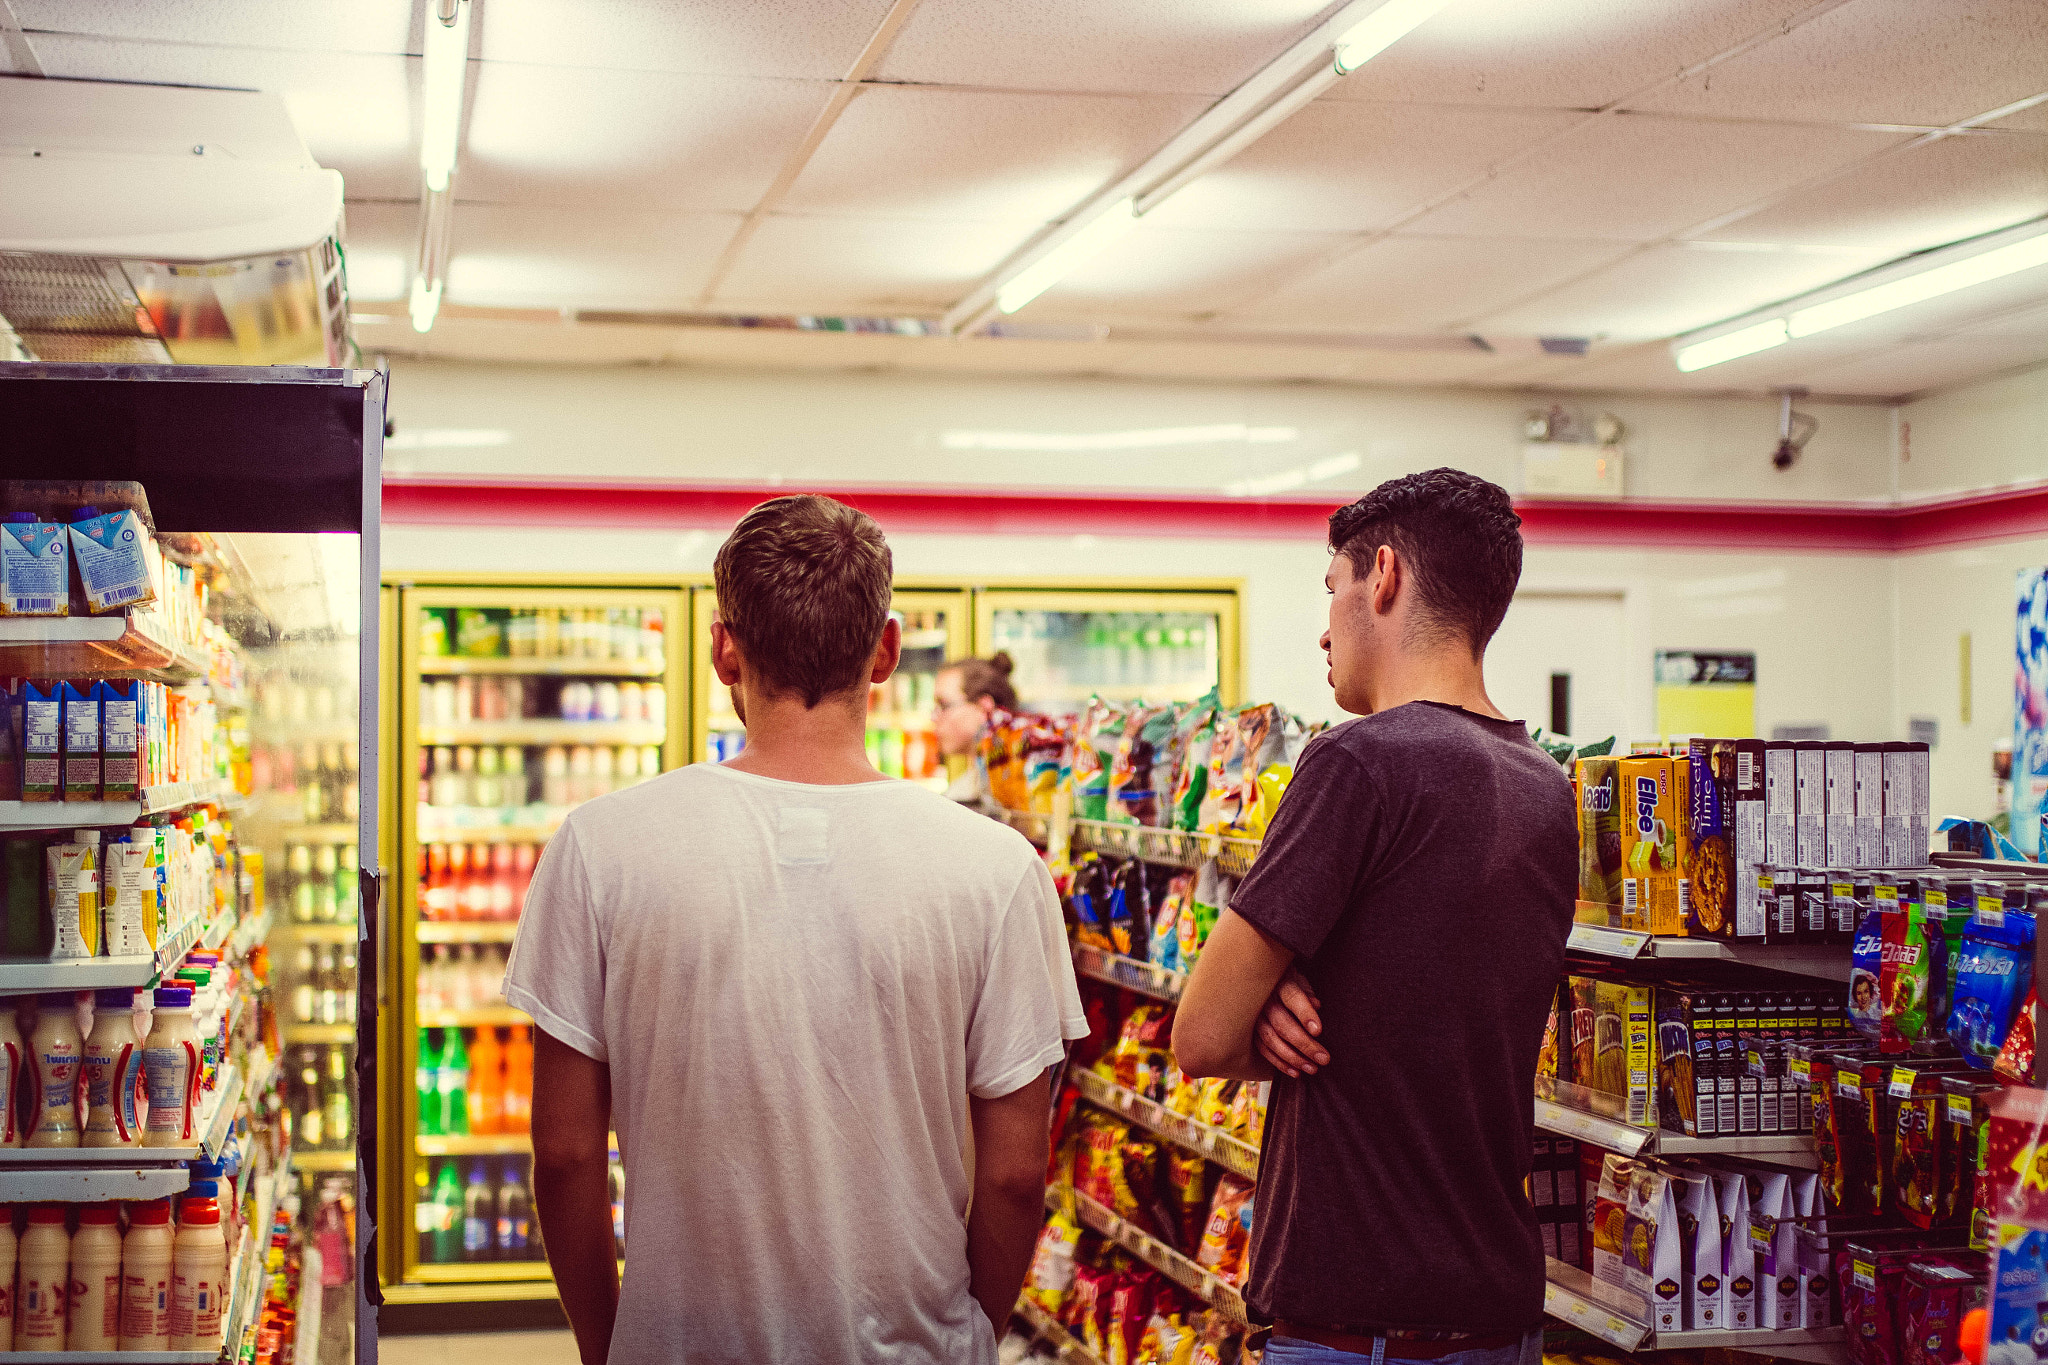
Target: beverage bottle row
325, 779
480, 1089
320, 882
319, 1099
459, 701
281, 701
464, 976
156, 1287
324, 984
543, 632
465, 1215
474, 881
490, 775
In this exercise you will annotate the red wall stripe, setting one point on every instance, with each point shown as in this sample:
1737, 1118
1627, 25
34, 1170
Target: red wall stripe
957, 511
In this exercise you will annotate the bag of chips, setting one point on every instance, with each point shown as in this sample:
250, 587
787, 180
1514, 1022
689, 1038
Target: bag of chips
1191, 775
1994, 968
1247, 1122
1228, 1231
1198, 914
1134, 1179
1089, 1313
1132, 799
1216, 1341
1045, 759
1903, 977
1224, 799
1865, 972
1218, 1094
1088, 898
1147, 1028
1187, 1183
1130, 1308
1051, 1276
1130, 909
1166, 925
1166, 1341
1185, 1095
1090, 772
2016, 1059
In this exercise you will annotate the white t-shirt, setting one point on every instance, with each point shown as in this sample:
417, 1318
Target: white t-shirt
797, 987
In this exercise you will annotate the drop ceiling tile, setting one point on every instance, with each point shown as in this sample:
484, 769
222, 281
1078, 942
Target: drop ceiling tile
528, 256
1913, 368
1192, 47
1880, 61
788, 39
1354, 167
1157, 272
2021, 321
324, 26
1636, 179
382, 242
629, 139
864, 265
1575, 54
980, 156
1423, 283
353, 110
1664, 290
1913, 199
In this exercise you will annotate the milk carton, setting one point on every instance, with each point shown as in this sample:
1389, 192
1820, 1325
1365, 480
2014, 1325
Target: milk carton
35, 567
113, 562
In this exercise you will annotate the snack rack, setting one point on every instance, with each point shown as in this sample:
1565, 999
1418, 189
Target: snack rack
283, 543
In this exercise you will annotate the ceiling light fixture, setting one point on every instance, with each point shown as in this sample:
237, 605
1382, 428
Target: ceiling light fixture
1354, 35
1914, 279
446, 72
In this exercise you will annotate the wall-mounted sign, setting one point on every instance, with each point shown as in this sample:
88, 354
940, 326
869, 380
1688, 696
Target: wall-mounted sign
1706, 692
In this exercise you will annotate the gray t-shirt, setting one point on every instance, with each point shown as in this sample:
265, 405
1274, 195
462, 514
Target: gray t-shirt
1422, 867
797, 988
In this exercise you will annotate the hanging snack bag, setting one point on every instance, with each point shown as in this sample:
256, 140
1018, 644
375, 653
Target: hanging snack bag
1088, 896
1262, 740
1247, 1122
1090, 776
1133, 1179
1172, 763
1199, 914
1130, 909
1187, 1183
1228, 1230
1224, 799
1866, 969
1045, 758
2016, 1058
1191, 778
1902, 985
1994, 968
1051, 1276
1218, 1094
1132, 799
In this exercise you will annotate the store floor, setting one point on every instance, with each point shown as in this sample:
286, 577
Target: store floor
479, 1348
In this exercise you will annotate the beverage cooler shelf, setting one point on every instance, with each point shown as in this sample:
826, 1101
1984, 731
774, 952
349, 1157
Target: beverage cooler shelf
157, 800
323, 1162
298, 1035
471, 931
492, 1016
92, 647
474, 1144
553, 667
90, 1174
541, 732
1828, 961
321, 933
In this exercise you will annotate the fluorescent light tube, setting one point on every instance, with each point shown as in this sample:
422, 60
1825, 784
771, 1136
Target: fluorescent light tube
1047, 270
1731, 345
1942, 279
1380, 30
426, 303
446, 64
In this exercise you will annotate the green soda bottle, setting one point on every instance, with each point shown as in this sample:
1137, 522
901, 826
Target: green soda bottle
454, 1085
426, 1079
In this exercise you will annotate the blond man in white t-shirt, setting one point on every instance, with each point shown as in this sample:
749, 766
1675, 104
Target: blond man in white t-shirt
794, 988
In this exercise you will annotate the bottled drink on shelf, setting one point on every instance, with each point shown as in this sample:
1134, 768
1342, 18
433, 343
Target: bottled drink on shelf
458, 881
633, 702
347, 884
441, 1217
515, 1213
513, 780
312, 785
465, 775
465, 700
436, 887
453, 1079
603, 771
43, 1277
504, 883
580, 768
523, 860
487, 789
439, 701
427, 1083
476, 900
56, 1048
329, 988
650, 760
479, 1215
519, 1079
605, 701
311, 1124
487, 1084
325, 865
113, 1075
146, 1277
337, 1106
303, 971
199, 1273
345, 981
627, 772
94, 1304
522, 633
554, 784
444, 787
298, 871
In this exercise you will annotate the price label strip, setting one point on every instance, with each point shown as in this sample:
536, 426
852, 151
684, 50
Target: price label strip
1604, 942
1590, 1317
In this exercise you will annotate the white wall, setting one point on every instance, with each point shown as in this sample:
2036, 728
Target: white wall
1984, 436
757, 427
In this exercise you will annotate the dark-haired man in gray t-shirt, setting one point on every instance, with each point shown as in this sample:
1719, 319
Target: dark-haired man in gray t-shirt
1389, 961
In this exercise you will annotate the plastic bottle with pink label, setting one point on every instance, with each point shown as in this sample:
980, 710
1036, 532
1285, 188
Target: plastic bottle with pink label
171, 1074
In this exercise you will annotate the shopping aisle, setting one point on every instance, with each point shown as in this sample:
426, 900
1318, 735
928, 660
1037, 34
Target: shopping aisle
479, 1348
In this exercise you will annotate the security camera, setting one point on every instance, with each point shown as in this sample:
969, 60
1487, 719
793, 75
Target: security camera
1795, 429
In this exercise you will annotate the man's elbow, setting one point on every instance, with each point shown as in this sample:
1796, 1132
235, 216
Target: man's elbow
1195, 1050
556, 1149
1017, 1183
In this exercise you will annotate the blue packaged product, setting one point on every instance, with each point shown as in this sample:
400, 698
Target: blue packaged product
1866, 1010
1088, 897
1995, 966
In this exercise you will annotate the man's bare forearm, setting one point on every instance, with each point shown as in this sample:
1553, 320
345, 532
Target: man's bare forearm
1002, 1229
575, 1207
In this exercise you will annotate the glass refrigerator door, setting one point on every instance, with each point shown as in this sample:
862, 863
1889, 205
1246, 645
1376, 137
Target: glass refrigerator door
901, 739
1070, 646
519, 704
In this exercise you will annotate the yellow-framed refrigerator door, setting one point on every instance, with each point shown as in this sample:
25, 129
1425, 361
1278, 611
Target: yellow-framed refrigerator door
937, 629
1071, 644
462, 687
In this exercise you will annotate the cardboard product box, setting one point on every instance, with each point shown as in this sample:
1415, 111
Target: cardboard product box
1727, 1067
35, 569
1839, 799
1751, 841
1643, 1244
1543, 1181
1711, 881
1810, 803
42, 740
1649, 846
1565, 1154
81, 719
1738, 1253
1748, 1084
1766, 1061
1938, 1295
1781, 803
1608, 1219
1679, 923
1869, 833
1699, 1219
1622, 1047
1772, 1213
1600, 839
120, 739
1906, 795
110, 550
1687, 1098
1592, 1161
1585, 1009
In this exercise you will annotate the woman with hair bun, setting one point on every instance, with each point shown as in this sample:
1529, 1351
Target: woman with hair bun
968, 691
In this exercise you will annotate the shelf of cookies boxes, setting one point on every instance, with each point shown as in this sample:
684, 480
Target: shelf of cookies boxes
1217, 1293
1067, 1347
1620, 1319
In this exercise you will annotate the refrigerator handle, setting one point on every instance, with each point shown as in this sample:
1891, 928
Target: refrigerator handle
369, 961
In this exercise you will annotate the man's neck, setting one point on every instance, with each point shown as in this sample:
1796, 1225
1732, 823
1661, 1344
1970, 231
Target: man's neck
823, 745
1449, 676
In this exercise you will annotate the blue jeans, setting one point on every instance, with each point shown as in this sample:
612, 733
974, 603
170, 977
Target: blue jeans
1290, 1351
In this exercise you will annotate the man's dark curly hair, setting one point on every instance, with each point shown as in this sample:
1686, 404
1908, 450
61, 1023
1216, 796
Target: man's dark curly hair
1457, 534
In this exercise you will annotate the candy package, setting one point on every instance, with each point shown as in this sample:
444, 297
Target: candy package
1902, 983
1865, 974
1228, 1231
1130, 909
1132, 799
1088, 897
1130, 1308
2016, 1058
1134, 1180
1994, 969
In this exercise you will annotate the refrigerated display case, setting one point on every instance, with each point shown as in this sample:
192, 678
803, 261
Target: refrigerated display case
233, 727
517, 703
901, 740
1070, 645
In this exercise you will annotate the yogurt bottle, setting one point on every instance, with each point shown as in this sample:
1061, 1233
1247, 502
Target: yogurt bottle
8, 1251
55, 1049
13, 1063
146, 1277
44, 1275
113, 1073
199, 1276
94, 1303
170, 1064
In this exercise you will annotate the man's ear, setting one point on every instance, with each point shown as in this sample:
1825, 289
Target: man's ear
725, 653
1388, 571
888, 653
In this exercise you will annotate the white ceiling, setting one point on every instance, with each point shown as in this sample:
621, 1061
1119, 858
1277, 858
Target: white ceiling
1613, 170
